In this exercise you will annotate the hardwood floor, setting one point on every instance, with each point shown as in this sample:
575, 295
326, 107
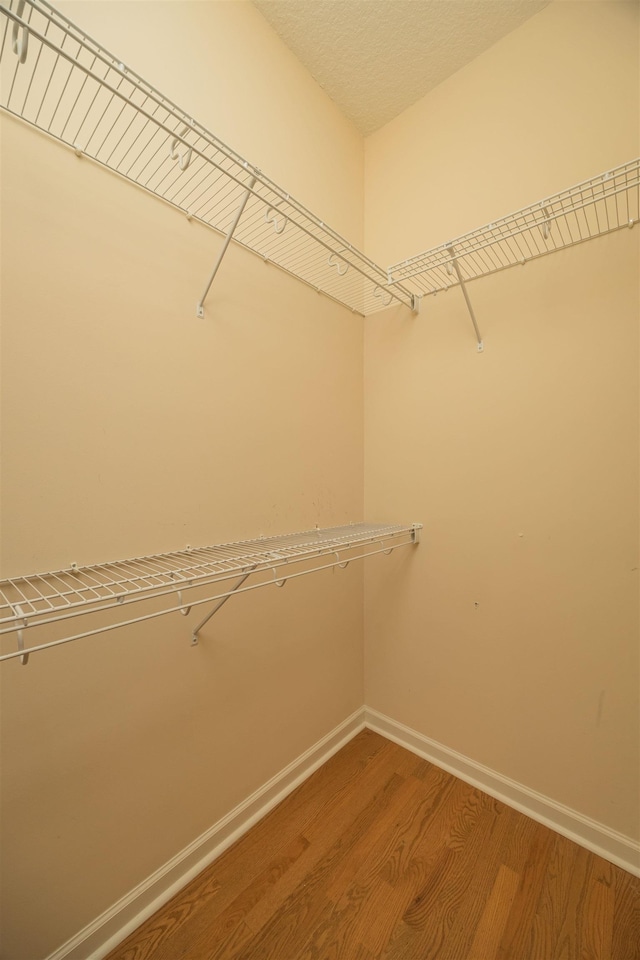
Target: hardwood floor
379, 854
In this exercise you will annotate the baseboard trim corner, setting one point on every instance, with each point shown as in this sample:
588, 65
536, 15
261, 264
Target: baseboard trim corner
595, 836
104, 933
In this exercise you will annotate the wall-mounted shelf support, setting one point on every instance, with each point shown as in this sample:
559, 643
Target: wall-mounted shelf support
58, 79
223, 250
20, 35
24, 658
592, 208
220, 603
450, 268
39, 600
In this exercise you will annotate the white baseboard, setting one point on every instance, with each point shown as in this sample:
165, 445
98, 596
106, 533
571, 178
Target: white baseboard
600, 839
108, 930
97, 939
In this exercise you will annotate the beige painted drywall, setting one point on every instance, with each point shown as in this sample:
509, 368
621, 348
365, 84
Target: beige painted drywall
512, 635
236, 76
553, 103
131, 427
128, 427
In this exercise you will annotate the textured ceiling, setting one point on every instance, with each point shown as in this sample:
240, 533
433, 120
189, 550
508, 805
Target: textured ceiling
374, 58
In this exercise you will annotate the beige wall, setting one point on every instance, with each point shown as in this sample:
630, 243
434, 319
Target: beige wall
553, 103
512, 636
130, 427
223, 63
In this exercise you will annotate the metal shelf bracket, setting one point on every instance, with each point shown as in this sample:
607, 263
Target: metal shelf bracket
592, 208
31, 602
56, 78
227, 241
450, 269
220, 603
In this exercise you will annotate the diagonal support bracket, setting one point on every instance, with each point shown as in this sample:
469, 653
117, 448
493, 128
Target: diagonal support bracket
227, 241
450, 269
220, 603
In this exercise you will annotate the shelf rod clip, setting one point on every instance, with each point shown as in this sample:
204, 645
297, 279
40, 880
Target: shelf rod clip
184, 610
227, 241
546, 223
380, 294
20, 46
24, 659
340, 265
271, 216
450, 269
184, 159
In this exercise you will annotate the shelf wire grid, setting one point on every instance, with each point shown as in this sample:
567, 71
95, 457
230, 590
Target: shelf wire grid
601, 205
46, 598
55, 77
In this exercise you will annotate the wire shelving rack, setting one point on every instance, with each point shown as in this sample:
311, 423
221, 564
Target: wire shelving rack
55, 77
601, 205
219, 571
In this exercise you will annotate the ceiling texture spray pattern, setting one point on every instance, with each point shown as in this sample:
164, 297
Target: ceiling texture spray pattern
375, 58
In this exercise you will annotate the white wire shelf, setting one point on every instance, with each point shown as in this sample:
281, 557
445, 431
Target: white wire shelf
590, 209
55, 77
43, 599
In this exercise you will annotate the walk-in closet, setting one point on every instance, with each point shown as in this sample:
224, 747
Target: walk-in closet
319, 479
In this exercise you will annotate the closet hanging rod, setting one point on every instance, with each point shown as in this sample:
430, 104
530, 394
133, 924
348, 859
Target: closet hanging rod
593, 208
44, 599
75, 91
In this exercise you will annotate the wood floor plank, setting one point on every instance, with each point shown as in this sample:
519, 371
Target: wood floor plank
339, 829
495, 915
553, 931
597, 929
253, 852
389, 845
375, 785
626, 917
362, 905
518, 840
492, 856
304, 908
148, 940
430, 918
230, 929
515, 941
380, 855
